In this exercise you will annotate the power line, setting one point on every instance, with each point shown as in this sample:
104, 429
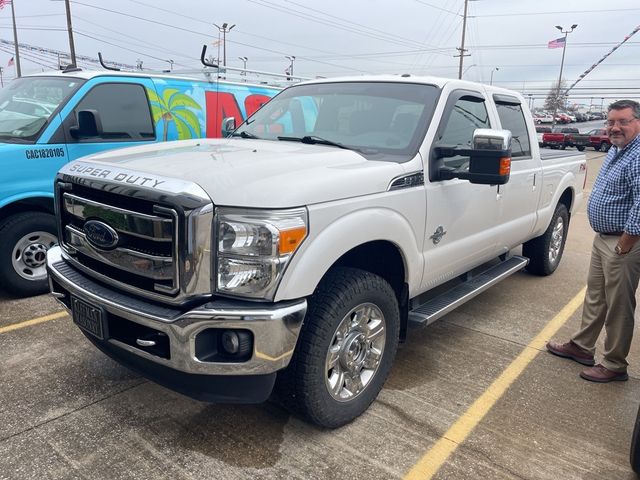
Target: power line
555, 13
208, 36
438, 8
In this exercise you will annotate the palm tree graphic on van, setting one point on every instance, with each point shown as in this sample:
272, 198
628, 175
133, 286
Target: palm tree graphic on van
178, 108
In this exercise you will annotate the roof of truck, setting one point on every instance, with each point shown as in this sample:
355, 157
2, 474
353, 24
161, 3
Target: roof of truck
409, 78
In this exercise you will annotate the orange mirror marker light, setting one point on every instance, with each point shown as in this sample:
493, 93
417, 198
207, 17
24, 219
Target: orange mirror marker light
291, 239
505, 166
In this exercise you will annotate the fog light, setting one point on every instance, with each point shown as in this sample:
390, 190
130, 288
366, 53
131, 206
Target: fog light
236, 342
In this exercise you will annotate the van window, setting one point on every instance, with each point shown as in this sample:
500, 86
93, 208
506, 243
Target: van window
512, 118
123, 109
27, 104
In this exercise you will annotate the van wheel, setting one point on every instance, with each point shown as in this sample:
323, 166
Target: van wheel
634, 453
345, 350
24, 241
544, 252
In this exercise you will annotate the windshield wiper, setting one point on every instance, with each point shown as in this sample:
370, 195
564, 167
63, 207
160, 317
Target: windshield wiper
314, 140
245, 134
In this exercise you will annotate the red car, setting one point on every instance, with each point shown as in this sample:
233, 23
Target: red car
599, 140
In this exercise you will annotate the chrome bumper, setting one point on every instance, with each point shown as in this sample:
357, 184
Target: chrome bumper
275, 327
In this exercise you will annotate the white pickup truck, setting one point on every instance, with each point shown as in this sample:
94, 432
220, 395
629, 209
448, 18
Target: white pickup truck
296, 252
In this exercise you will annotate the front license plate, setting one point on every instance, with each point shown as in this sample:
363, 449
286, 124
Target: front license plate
87, 317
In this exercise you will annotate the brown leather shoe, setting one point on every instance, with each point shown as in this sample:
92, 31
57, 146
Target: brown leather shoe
603, 375
572, 351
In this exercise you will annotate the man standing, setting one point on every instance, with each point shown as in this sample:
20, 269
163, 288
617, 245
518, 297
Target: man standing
614, 271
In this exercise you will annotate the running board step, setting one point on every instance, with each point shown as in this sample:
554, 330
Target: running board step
439, 306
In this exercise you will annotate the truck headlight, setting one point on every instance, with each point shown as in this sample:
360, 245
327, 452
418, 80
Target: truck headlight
254, 248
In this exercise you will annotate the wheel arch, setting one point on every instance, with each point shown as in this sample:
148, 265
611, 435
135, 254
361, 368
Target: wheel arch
39, 203
379, 241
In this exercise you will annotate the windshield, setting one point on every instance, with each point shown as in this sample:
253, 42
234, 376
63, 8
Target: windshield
27, 103
382, 121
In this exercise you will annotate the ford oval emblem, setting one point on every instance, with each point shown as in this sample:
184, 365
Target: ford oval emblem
100, 234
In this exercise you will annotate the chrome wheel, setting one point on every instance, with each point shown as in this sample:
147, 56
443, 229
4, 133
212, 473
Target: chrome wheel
355, 352
30, 253
557, 237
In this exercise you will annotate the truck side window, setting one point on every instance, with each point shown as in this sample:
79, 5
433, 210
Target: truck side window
512, 118
123, 109
466, 116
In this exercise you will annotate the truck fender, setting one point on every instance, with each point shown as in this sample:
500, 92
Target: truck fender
45, 198
318, 253
550, 199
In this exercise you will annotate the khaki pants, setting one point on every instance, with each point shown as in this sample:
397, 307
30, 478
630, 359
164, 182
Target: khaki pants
610, 301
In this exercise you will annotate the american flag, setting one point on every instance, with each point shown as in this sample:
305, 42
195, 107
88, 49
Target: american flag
557, 43
3, 3
10, 62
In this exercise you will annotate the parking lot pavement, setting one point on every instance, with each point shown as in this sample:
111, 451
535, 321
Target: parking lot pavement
68, 412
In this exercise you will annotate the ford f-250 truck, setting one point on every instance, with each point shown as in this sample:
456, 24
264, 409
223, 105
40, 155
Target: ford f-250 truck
297, 252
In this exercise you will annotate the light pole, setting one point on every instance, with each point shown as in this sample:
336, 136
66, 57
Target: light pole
225, 28
493, 70
170, 62
1, 81
602, 104
467, 69
244, 65
564, 49
292, 59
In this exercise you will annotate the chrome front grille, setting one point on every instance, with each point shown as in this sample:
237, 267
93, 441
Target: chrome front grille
161, 242
145, 246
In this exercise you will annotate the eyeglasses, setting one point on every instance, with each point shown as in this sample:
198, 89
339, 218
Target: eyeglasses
623, 123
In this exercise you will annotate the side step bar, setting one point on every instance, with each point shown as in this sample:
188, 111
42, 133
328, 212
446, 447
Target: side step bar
439, 306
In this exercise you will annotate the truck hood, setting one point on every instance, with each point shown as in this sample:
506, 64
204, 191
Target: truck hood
259, 173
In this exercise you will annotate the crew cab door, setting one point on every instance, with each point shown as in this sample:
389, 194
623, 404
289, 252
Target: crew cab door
123, 109
461, 216
519, 197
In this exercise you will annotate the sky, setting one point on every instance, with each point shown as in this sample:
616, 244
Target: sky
506, 40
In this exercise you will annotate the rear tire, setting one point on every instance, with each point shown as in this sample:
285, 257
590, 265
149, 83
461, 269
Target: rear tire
580, 149
345, 350
604, 147
24, 241
545, 252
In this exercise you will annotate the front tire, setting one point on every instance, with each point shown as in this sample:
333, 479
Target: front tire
345, 350
545, 252
24, 241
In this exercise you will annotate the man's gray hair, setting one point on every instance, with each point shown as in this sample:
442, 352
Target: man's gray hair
620, 104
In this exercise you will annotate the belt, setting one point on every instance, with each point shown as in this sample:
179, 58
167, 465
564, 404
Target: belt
613, 234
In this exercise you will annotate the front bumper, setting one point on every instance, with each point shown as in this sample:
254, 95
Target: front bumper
274, 329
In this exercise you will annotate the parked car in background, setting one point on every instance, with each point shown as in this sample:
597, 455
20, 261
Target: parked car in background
540, 130
565, 137
599, 140
542, 118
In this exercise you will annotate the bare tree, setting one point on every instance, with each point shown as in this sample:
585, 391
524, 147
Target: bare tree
556, 99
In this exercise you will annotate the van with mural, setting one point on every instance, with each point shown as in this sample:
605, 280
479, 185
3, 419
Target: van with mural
50, 119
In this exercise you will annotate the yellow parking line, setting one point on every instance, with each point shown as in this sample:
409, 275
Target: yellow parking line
431, 462
35, 321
